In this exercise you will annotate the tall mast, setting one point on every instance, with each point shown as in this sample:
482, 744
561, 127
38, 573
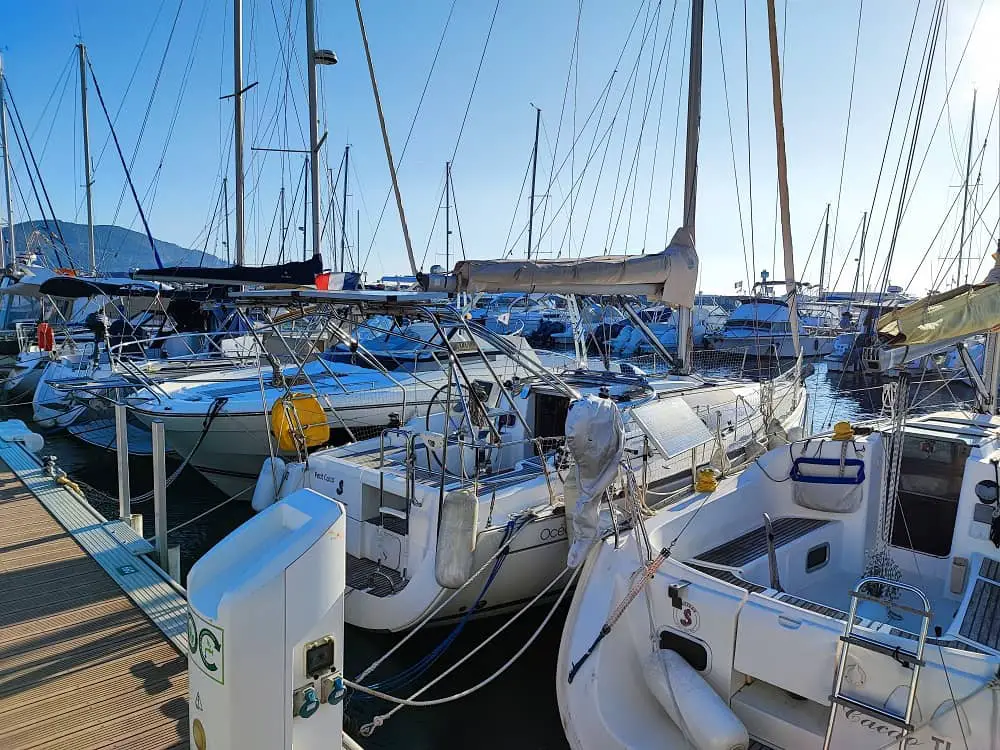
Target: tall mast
385, 142
343, 210
314, 57
779, 137
305, 209
6, 172
238, 125
965, 194
691, 167
447, 216
86, 159
534, 172
822, 257
861, 252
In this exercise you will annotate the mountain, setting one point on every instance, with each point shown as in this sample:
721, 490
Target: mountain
117, 249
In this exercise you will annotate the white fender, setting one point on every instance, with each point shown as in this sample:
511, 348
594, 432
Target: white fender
295, 479
16, 431
697, 710
269, 482
456, 539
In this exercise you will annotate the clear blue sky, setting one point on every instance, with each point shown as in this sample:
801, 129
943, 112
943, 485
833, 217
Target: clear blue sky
621, 202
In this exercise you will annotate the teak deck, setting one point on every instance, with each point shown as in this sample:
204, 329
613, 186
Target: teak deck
81, 665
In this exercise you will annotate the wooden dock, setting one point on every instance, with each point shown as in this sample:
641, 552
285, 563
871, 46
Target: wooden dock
90, 633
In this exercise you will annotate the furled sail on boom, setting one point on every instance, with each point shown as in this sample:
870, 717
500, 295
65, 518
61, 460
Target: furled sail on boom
670, 276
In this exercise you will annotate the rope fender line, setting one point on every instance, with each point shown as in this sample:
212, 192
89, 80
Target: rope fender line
648, 571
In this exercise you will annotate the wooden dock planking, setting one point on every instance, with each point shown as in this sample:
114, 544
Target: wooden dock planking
81, 666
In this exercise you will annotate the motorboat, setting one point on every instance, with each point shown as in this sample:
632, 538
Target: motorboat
760, 327
706, 319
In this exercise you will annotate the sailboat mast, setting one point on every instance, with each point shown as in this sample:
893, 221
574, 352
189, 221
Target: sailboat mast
343, 211
238, 125
311, 62
779, 137
8, 179
861, 252
305, 209
684, 342
385, 142
965, 195
86, 159
447, 216
534, 172
822, 257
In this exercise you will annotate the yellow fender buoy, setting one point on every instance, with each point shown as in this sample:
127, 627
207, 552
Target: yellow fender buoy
299, 414
707, 481
843, 431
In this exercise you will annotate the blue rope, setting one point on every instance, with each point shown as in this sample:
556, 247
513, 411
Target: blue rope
419, 668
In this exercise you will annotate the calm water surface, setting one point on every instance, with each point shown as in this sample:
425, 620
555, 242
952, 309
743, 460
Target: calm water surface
517, 710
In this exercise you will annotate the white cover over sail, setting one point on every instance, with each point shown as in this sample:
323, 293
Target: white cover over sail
670, 276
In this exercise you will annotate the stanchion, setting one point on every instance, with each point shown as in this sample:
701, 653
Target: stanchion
124, 489
160, 493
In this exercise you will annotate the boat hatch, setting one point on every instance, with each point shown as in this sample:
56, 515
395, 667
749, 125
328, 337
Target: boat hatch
671, 426
930, 482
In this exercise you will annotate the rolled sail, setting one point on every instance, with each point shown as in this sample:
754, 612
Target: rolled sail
670, 276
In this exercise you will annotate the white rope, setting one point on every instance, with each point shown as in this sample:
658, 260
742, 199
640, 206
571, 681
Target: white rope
368, 729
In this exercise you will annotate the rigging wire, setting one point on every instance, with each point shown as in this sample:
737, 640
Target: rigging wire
149, 104
659, 126
888, 138
409, 132
121, 156
631, 85
847, 132
27, 144
677, 129
732, 148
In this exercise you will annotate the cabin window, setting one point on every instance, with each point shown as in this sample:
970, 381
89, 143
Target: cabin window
693, 652
550, 415
930, 482
817, 557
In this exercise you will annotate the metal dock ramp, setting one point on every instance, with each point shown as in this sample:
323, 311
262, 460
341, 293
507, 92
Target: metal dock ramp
91, 636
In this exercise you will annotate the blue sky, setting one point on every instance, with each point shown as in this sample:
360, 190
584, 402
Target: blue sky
626, 168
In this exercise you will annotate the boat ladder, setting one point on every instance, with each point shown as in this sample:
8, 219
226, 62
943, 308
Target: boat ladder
912, 660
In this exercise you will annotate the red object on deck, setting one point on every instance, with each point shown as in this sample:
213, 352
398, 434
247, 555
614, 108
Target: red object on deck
46, 337
323, 281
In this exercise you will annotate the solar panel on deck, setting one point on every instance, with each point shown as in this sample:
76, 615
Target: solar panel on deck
671, 426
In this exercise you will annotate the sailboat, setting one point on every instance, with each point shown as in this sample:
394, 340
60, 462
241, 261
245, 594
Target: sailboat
838, 593
481, 483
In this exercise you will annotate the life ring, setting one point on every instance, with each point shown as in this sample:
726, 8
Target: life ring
46, 337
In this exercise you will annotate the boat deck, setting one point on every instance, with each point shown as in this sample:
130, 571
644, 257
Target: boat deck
82, 666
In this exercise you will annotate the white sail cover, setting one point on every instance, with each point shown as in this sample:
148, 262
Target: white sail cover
670, 276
